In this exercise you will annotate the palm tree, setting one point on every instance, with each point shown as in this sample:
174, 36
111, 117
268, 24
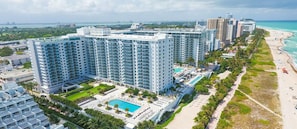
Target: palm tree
106, 103
146, 125
116, 106
190, 61
29, 86
127, 110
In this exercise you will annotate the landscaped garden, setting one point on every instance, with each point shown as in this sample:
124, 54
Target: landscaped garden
142, 94
87, 91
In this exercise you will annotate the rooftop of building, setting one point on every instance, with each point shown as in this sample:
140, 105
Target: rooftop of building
16, 57
173, 30
156, 37
244, 20
15, 73
11, 92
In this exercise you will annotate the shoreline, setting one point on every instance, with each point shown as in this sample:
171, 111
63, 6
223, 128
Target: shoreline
290, 34
291, 59
287, 82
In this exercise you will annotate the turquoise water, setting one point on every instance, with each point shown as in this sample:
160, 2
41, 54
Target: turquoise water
198, 78
123, 105
177, 70
289, 26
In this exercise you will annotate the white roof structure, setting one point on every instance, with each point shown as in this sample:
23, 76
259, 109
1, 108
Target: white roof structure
18, 109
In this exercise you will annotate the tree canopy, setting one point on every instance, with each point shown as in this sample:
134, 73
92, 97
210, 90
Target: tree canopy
6, 51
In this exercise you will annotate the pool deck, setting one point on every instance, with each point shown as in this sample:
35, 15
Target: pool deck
145, 112
200, 76
131, 106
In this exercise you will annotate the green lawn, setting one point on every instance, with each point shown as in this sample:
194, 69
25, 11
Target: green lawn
90, 92
19, 52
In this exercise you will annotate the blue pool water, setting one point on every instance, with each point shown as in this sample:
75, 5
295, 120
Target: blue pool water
123, 105
195, 80
177, 70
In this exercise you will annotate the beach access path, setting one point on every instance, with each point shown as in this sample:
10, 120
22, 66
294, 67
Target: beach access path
185, 119
216, 115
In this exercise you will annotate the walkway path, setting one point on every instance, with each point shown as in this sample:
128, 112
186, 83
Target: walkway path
216, 115
257, 102
185, 119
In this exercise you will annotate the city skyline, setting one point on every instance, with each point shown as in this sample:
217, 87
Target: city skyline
34, 11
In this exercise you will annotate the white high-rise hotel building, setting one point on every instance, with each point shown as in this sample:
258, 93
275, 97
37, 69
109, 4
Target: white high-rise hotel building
188, 42
134, 60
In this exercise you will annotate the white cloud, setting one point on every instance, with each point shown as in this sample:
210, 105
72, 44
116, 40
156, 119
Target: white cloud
97, 6
136, 10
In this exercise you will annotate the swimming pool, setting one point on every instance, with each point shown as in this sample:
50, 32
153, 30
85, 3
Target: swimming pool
178, 70
123, 105
195, 80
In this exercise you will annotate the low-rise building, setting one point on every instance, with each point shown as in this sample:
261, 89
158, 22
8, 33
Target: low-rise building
5, 65
17, 75
16, 60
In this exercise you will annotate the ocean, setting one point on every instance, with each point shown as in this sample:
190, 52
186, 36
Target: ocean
289, 26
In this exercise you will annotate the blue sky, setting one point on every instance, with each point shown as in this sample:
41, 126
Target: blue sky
45, 11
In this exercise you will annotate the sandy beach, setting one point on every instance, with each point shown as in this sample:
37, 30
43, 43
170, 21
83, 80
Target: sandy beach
287, 82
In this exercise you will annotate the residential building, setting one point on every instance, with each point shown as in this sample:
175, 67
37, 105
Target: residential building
202, 23
221, 25
245, 26
5, 65
18, 109
58, 60
136, 26
217, 44
20, 75
19, 47
232, 29
16, 60
139, 61
188, 43
211, 40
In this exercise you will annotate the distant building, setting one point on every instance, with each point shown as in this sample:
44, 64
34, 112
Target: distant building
245, 26
7, 43
188, 43
16, 60
229, 16
66, 26
18, 109
217, 44
16, 75
211, 40
5, 65
144, 62
17, 47
136, 26
221, 25
202, 23
92, 31
232, 29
